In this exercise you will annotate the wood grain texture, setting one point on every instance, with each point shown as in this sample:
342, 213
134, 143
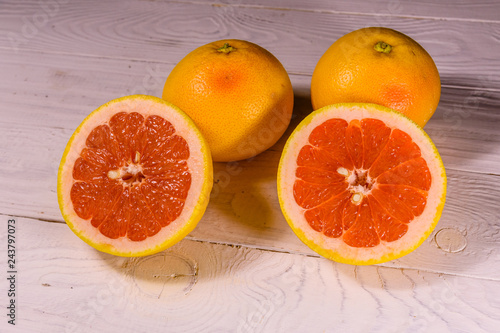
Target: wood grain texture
244, 208
242, 269
56, 93
66, 286
249, 214
166, 31
462, 10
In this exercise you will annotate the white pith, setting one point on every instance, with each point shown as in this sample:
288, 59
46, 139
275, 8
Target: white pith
358, 191
419, 228
129, 169
199, 165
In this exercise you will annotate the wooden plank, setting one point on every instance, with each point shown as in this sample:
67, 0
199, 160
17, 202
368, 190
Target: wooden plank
56, 93
244, 208
468, 242
463, 10
64, 285
167, 31
242, 269
465, 130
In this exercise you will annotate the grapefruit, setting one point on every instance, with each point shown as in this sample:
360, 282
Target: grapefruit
378, 65
135, 177
361, 183
238, 94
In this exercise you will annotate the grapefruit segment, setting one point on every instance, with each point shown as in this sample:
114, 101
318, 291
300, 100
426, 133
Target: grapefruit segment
331, 136
399, 149
310, 195
165, 169
412, 198
317, 158
116, 222
413, 173
360, 183
135, 177
375, 136
354, 143
350, 214
318, 176
327, 218
361, 232
396, 208
387, 227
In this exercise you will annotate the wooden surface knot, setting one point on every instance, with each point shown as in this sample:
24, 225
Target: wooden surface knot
450, 240
165, 274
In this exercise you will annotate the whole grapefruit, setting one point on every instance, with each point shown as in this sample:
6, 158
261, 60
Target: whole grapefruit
378, 65
238, 94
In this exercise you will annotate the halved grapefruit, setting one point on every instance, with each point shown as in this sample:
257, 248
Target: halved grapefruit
135, 177
361, 183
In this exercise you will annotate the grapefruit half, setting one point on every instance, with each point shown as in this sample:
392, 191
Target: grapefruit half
135, 177
360, 183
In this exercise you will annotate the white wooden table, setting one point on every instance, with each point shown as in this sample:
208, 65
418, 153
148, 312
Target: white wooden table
242, 269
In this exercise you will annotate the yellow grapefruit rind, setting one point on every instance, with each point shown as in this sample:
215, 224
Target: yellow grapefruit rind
333, 248
200, 165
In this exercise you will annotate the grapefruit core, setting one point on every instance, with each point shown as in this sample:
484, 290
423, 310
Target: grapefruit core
135, 177
361, 183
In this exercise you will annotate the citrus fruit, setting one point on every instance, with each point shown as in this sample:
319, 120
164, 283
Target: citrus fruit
361, 183
378, 65
135, 177
238, 94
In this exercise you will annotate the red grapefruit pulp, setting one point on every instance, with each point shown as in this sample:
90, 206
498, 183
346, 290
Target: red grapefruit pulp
360, 183
135, 177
